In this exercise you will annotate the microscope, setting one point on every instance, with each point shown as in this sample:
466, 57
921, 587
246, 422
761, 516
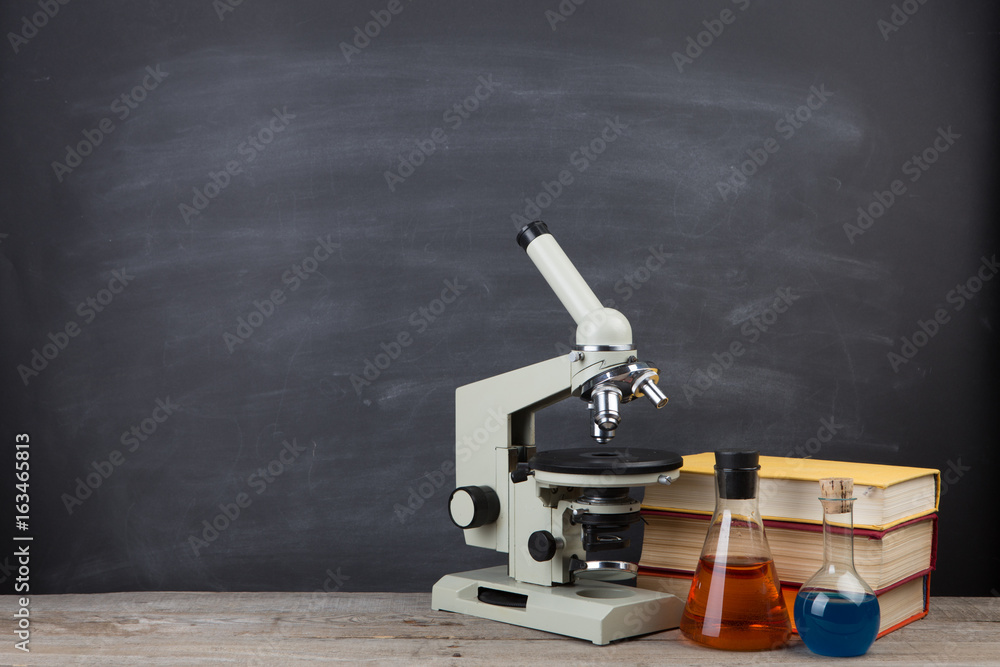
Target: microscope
551, 510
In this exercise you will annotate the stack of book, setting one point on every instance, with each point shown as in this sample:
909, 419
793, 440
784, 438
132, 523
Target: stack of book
895, 523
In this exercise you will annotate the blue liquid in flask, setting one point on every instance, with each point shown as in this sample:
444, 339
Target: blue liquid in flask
834, 624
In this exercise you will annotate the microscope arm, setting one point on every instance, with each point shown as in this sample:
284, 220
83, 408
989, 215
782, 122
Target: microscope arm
494, 424
495, 429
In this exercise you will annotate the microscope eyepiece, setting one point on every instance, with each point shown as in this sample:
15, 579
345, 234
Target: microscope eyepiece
530, 232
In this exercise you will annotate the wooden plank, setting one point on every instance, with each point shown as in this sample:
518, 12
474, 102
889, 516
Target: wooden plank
387, 628
508, 652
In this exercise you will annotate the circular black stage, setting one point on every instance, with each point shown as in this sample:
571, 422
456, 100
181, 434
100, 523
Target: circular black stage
606, 460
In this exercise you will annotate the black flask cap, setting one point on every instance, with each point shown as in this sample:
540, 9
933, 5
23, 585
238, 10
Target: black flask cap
736, 474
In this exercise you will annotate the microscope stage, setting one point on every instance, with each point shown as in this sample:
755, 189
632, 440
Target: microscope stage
603, 467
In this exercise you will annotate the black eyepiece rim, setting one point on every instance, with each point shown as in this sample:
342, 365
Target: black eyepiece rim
530, 232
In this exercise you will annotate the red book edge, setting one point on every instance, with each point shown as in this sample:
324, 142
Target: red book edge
786, 592
809, 527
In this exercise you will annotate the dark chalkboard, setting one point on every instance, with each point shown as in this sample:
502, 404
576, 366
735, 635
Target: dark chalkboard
248, 251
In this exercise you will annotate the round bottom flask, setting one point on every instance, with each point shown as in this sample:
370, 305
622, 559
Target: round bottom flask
836, 612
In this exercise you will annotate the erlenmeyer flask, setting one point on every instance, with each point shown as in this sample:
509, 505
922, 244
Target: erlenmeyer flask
735, 601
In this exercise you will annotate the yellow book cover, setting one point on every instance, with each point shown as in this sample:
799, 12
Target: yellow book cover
886, 495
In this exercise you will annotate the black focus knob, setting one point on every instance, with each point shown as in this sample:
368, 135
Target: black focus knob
542, 546
473, 506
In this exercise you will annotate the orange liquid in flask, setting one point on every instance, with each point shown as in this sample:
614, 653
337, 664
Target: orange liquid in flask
736, 606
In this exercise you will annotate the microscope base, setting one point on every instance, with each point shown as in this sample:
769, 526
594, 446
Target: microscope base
597, 611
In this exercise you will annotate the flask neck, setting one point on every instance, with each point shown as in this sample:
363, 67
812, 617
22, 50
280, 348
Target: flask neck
838, 533
736, 492
736, 533
742, 507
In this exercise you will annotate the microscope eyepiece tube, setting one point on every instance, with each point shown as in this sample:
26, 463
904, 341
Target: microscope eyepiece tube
595, 324
557, 269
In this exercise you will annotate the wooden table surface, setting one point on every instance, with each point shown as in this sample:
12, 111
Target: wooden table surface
399, 628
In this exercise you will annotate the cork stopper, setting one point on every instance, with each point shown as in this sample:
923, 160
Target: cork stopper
837, 488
